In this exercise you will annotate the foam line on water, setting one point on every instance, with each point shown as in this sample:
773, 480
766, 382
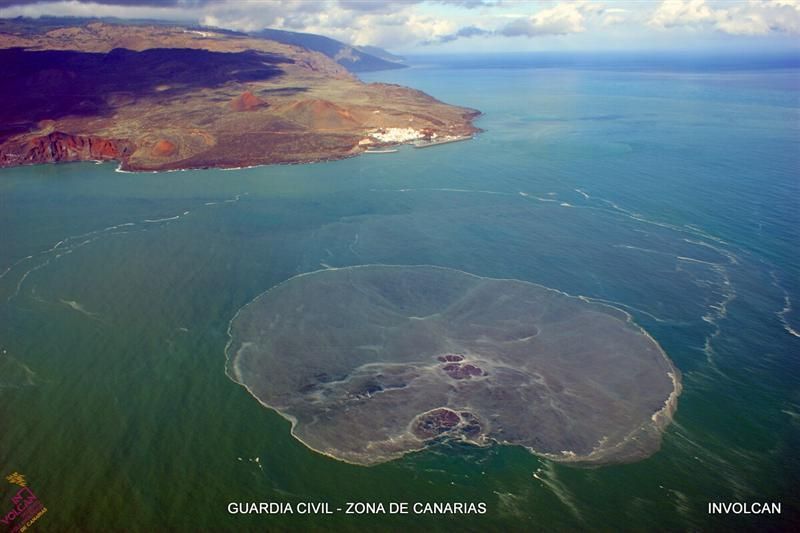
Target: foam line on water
641, 249
632, 308
787, 307
67, 244
167, 219
716, 310
77, 306
686, 228
7, 270
731, 468
353, 245
699, 237
448, 189
29, 375
549, 478
510, 503
24, 277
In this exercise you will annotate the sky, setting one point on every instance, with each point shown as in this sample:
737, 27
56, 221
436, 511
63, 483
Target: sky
453, 26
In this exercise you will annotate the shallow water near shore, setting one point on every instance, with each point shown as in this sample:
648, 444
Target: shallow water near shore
671, 195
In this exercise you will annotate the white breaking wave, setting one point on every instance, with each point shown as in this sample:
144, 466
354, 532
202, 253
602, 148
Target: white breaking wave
151, 221
787, 308
583, 193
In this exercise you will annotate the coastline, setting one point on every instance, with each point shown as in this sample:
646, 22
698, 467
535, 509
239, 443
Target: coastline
124, 167
294, 106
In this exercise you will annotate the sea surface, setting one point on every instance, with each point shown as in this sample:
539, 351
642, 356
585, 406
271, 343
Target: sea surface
669, 190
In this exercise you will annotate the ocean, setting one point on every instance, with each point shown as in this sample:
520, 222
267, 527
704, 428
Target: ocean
670, 190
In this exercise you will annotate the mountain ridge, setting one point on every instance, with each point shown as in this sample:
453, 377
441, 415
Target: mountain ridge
354, 58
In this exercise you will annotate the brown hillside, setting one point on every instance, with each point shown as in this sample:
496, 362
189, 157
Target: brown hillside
320, 114
246, 101
164, 148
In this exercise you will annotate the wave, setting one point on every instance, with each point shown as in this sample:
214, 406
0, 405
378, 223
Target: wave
583, 193
235, 198
787, 308
150, 221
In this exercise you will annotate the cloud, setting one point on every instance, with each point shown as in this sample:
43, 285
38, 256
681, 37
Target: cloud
611, 20
376, 7
613, 16
465, 32
394, 23
133, 3
777, 15
754, 17
560, 19
673, 13
407, 23
172, 10
389, 5
743, 24
470, 4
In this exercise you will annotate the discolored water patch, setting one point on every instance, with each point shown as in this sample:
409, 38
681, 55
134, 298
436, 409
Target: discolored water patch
372, 362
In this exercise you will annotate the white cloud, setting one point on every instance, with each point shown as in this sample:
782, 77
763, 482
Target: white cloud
560, 19
742, 24
74, 8
755, 17
612, 16
681, 13
404, 24
780, 15
610, 20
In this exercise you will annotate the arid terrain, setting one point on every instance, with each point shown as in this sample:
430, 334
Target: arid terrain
168, 97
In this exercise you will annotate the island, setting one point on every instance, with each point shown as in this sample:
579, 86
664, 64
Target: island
370, 363
158, 97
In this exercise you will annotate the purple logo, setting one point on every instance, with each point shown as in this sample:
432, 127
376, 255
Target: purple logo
26, 508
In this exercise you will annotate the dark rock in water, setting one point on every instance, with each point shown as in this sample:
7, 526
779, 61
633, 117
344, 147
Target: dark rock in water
462, 371
436, 422
370, 363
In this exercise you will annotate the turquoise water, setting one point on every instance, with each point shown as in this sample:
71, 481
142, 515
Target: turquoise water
672, 194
